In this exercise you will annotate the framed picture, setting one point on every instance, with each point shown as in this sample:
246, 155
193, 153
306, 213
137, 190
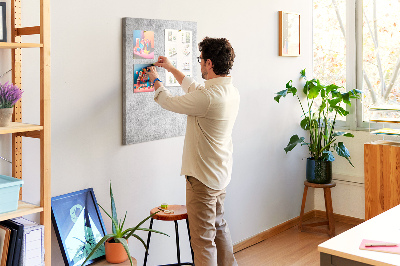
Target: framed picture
3, 25
289, 34
78, 226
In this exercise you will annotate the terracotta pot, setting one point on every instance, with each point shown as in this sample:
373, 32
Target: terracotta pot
5, 116
115, 252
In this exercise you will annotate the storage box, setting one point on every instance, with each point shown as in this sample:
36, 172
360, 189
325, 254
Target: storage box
9, 193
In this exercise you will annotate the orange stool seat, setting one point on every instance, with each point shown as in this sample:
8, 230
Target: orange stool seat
179, 213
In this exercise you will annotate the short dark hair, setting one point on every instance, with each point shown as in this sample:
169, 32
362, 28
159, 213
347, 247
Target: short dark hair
220, 52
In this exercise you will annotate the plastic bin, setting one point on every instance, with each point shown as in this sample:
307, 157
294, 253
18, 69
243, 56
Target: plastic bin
9, 193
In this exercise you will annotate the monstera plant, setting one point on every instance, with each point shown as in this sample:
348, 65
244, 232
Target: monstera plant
324, 103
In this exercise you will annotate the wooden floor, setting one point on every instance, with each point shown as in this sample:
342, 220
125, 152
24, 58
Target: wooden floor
290, 247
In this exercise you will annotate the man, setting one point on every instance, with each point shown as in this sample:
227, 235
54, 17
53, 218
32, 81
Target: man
207, 154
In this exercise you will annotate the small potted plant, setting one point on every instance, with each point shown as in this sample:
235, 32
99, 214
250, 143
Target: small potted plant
324, 105
116, 243
9, 95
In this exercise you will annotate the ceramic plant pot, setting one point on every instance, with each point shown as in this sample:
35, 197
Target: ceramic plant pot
5, 116
115, 252
318, 172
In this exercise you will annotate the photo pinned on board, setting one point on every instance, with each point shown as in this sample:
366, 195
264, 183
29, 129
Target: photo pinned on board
141, 80
143, 44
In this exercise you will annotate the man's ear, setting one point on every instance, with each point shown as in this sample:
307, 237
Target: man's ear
209, 63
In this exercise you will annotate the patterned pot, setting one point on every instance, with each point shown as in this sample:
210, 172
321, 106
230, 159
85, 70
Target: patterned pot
5, 116
318, 172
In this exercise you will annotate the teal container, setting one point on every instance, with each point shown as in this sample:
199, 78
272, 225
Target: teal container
9, 193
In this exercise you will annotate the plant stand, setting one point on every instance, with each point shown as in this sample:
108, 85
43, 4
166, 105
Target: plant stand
311, 227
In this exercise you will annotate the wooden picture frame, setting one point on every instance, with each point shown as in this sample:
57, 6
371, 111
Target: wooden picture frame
289, 34
3, 22
78, 226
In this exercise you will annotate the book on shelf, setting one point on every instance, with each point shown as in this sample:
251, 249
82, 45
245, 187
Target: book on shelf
15, 254
32, 250
11, 245
5, 234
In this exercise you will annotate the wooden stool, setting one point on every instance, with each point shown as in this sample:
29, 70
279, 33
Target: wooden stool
328, 207
180, 213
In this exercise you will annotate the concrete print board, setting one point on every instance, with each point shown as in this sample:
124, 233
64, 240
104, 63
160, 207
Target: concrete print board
143, 119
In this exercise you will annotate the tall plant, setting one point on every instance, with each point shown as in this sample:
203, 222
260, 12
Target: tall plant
320, 121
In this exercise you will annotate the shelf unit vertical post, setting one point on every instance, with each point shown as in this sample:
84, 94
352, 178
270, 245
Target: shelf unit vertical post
16, 59
45, 140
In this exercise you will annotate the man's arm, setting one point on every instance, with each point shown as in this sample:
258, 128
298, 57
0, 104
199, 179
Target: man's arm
166, 64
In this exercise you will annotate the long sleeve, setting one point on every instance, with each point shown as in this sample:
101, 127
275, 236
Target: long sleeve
195, 102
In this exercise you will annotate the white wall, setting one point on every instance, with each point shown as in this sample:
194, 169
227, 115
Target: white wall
267, 184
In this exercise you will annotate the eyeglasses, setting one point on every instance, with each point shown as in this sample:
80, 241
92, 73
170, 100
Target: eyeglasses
199, 59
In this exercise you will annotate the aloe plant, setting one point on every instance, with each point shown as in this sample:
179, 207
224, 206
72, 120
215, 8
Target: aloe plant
119, 234
320, 124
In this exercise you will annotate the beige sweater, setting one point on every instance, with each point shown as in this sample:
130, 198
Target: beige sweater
211, 113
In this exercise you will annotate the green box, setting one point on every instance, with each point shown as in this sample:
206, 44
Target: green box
9, 193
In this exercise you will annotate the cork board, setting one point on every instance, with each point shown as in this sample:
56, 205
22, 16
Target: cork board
143, 119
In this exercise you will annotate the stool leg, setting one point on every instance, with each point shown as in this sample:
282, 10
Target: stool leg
178, 252
329, 211
148, 242
303, 204
190, 240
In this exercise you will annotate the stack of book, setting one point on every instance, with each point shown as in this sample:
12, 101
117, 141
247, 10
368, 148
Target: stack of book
21, 243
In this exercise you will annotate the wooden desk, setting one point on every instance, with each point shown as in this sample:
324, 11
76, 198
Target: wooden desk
105, 263
344, 248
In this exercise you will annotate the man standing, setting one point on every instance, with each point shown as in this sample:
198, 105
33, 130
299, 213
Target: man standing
207, 154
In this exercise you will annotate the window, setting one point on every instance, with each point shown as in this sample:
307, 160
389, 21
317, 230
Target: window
362, 53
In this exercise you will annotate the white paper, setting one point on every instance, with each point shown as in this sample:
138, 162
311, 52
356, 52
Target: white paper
178, 49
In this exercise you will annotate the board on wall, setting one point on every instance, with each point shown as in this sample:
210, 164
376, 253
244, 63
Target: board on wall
143, 41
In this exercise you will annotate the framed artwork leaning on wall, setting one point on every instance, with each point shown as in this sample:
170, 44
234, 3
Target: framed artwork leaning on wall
78, 226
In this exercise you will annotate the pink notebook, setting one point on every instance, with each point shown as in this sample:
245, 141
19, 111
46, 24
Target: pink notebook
393, 249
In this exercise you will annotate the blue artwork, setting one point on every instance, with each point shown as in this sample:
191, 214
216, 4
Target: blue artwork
78, 225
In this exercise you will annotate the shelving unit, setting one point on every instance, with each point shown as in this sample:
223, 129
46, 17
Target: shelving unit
42, 131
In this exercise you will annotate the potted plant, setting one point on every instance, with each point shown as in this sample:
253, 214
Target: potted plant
116, 243
9, 95
324, 105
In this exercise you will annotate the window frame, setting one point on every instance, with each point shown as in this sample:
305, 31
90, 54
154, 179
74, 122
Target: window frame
354, 70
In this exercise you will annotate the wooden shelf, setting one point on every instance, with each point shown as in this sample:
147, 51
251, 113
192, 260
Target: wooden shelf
24, 208
10, 45
16, 127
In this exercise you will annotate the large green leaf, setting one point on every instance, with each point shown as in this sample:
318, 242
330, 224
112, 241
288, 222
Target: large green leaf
331, 88
327, 156
313, 92
343, 151
280, 94
305, 123
113, 211
294, 140
346, 98
334, 102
